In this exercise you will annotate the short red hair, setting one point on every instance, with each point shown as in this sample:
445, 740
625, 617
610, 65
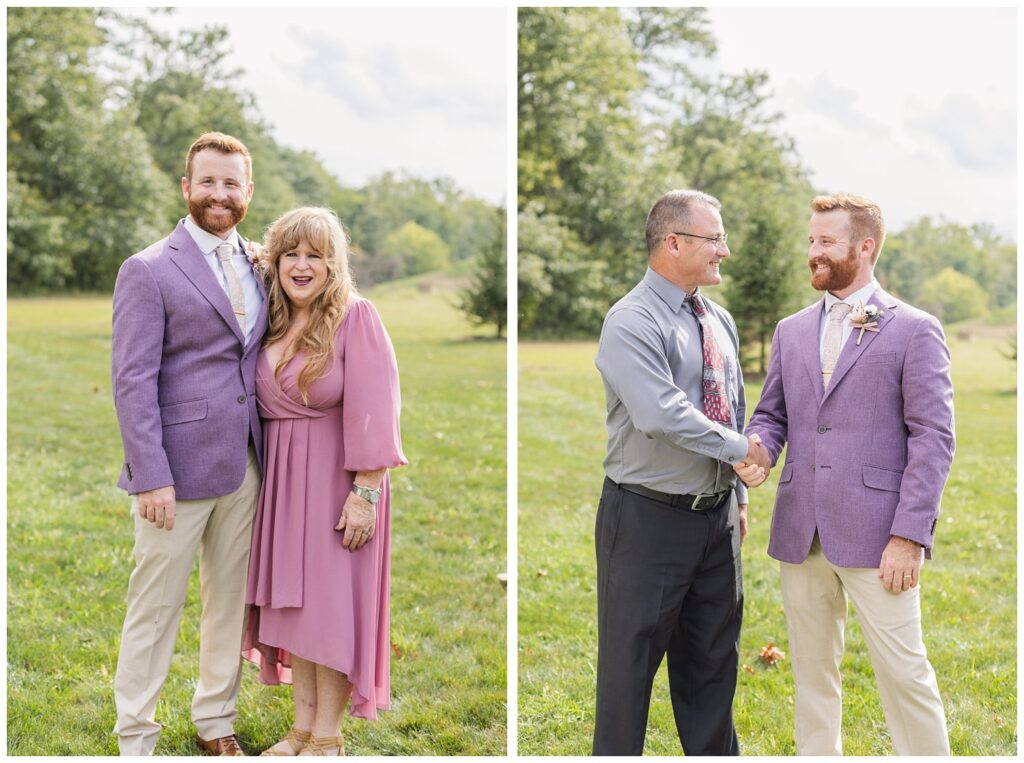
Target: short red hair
218, 141
865, 217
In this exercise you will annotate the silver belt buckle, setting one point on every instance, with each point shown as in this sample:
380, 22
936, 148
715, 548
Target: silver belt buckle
713, 499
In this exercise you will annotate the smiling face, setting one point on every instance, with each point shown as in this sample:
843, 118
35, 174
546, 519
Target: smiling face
696, 261
302, 272
218, 191
837, 263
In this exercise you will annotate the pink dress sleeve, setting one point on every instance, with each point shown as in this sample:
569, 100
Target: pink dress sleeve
371, 402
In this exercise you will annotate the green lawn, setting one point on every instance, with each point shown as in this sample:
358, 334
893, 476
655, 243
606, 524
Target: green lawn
969, 589
69, 540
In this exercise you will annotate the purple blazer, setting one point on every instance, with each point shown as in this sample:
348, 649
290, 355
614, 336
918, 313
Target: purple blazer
869, 458
184, 385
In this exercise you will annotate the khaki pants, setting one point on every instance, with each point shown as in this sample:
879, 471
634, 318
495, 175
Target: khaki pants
221, 529
814, 595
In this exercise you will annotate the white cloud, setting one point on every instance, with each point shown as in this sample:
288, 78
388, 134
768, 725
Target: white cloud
839, 104
979, 139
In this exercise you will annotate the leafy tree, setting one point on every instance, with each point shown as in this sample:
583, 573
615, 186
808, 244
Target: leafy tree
761, 287
953, 297
485, 300
419, 248
926, 246
75, 167
102, 108
561, 291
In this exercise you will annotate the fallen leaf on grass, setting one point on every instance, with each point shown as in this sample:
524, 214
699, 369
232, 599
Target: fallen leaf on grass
998, 720
542, 573
771, 654
747, 668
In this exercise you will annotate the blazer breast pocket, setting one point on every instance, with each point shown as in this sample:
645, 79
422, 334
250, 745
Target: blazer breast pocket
181, 413
876, 358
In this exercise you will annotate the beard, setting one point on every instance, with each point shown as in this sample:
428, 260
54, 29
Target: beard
205, 220
838, 273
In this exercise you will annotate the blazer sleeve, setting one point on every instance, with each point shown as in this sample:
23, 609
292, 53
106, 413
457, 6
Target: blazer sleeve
770, 421
371, 403
928, 416
137, 348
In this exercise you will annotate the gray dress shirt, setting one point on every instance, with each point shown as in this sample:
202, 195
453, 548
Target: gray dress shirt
651, 360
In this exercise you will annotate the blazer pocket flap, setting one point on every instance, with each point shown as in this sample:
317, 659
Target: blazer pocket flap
882, 479
787, 473
179, 413
877, 357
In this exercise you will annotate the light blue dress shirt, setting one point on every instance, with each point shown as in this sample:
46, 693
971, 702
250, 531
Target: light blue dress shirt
208, 243
861, 296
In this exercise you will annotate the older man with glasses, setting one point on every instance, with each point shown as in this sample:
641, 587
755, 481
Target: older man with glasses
672, 515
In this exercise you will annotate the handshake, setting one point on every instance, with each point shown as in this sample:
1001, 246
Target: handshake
753, 469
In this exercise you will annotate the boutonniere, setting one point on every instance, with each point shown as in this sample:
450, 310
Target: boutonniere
257, 257
865, 318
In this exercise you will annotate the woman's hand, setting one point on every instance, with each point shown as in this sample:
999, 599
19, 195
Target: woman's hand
358, 520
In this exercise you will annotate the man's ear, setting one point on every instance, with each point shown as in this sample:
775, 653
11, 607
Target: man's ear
184, 187
867, 246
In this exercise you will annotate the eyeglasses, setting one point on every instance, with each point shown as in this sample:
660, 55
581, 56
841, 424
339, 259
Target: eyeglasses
719, 241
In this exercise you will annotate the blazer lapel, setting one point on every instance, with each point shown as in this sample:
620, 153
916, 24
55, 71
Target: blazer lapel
810, 329
261, 317
851, 350
186, 255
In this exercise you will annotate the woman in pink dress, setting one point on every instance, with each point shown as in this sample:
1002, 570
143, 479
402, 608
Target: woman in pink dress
327, 390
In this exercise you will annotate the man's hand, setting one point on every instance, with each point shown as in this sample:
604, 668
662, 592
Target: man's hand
743, 522
751, 474
901, 564
358, 520
157, 506
758, 453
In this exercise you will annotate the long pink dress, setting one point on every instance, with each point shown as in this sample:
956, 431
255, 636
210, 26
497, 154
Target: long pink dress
308, 595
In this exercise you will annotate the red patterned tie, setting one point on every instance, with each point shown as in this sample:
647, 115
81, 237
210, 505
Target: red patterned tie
716, 403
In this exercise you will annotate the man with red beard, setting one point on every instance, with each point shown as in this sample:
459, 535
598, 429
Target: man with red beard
189, 315
859, 387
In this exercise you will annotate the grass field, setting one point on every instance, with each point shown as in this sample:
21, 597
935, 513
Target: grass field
69, 538
969, 589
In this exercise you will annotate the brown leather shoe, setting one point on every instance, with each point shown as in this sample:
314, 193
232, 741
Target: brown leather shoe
224, 746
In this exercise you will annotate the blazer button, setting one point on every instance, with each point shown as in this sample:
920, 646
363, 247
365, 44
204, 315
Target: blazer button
822, 430
241, 398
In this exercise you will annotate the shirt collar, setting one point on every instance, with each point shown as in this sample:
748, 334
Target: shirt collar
669, 293
862, 295
206, 241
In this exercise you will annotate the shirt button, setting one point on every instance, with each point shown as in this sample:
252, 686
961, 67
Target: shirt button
822, 429
241, 398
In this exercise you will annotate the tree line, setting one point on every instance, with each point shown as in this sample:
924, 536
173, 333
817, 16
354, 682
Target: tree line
617, 106
101, 109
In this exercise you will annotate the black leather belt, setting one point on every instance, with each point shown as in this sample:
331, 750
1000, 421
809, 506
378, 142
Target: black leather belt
690, 502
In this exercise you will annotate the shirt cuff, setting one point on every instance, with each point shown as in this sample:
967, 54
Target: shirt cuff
735, 447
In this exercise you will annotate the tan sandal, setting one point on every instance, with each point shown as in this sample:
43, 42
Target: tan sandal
324, 745
297, 739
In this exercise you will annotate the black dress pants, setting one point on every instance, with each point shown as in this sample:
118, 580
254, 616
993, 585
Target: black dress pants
668, 581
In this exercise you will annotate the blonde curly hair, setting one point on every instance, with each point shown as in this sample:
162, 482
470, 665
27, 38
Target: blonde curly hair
322, 231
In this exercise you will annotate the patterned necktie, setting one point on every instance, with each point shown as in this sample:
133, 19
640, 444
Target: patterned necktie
716, 403
833, 340
224, 252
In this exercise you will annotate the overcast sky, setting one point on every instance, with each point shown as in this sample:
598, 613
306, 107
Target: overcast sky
915, 108
421, 90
